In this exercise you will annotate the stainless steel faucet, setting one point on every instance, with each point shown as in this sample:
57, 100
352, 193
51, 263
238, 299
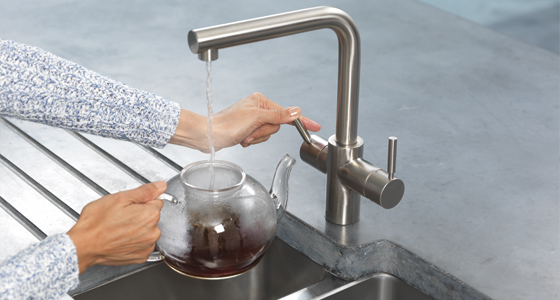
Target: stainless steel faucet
348, 175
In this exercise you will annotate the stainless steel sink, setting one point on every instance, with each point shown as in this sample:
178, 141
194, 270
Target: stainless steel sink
283, 270
283, 273
379, 286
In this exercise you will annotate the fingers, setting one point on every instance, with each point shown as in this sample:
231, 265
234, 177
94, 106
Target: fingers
263, 102
257, 141
253, 120
134, 256
144, 193
157, 203
281, 116
118, 234
310, 124
264, 131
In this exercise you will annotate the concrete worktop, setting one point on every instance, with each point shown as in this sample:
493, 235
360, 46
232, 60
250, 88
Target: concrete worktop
476, 114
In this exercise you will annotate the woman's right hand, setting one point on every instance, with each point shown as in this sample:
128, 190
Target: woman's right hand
249, 121
119, 229
253, 120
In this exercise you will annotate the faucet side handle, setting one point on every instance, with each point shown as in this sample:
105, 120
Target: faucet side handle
372, 182
392, 157
314, 149
315, 152
302, 130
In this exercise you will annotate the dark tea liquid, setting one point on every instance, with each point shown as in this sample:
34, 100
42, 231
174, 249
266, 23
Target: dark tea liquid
194, 269
221, 251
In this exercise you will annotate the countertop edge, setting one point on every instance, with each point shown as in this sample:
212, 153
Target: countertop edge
349, 261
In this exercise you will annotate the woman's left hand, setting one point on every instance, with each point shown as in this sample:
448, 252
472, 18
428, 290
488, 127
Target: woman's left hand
119, 229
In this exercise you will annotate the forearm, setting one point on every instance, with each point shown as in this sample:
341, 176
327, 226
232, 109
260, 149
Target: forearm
46, 270
191, 131
38, 86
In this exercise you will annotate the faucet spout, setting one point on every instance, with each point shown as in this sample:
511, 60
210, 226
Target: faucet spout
207, 41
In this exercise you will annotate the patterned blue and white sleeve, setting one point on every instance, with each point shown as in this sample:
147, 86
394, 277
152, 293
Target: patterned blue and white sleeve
38, 86
45, 270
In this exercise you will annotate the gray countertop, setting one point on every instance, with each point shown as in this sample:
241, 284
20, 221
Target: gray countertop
476, 114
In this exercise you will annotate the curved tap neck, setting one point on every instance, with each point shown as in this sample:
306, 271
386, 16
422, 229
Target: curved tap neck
208, 40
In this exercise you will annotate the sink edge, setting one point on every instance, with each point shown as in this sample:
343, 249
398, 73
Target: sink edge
351, 262
98, 275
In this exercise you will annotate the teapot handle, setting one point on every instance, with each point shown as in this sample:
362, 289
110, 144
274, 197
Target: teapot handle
279, 189
157, 255
168, 197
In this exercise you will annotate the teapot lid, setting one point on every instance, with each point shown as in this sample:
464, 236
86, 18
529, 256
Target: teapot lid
215, 176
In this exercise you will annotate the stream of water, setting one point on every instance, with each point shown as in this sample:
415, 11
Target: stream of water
209, 124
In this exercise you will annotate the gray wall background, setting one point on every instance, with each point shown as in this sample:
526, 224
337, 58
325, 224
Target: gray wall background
535, 22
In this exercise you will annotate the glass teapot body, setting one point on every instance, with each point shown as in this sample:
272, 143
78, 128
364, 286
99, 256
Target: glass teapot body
220, 229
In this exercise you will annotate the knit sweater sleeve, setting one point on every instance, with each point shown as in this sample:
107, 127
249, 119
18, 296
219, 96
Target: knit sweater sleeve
45, 270
38, 86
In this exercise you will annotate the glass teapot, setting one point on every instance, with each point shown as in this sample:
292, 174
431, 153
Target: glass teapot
224, 230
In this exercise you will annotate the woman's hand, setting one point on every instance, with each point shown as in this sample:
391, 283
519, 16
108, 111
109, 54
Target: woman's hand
119, 229
250, 121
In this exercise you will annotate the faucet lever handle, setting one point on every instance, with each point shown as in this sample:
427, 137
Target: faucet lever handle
302, 130
392, 157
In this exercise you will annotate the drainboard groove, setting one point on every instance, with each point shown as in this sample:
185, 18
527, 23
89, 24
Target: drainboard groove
83, 178
14, 213
41, 189
110, 158
162, 158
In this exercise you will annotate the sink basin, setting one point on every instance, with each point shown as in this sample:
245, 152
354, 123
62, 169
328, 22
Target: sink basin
282, 273
283, 270
379, 286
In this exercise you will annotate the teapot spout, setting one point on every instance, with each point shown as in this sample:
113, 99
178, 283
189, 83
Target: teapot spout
279, 189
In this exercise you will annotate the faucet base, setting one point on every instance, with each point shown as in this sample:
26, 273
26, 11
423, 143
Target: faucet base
343, 203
